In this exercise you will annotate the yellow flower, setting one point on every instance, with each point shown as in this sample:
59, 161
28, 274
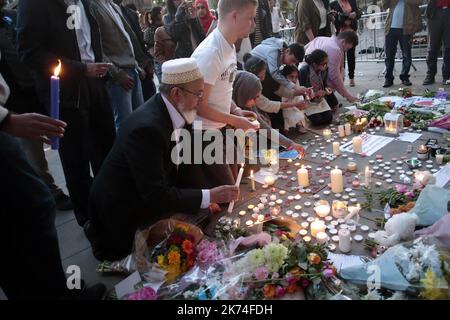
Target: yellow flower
173, 271
174, 257
161, 260
434, 288
183, 228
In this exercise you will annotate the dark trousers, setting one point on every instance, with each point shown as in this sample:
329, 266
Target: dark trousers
438, 34
351, 60
31, 263
321, 119
34, 150
148, 87
394, 37
88, 138
269, 88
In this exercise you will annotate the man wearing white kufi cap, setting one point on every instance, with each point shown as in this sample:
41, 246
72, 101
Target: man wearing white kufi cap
137, 184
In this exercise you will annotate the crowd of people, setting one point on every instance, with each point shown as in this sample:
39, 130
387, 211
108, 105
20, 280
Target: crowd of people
117, 121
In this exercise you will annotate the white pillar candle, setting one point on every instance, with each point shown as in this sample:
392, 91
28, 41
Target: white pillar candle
367, 176
440, 158
238, 182
341, 130
317, 226
321, 237
337, 181
252, 181
327, 134
302, 177
344, 241
357, 145
348, 129
336, 150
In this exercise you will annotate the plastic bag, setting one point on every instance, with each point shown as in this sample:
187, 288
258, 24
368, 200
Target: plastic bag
420, 267
431, 205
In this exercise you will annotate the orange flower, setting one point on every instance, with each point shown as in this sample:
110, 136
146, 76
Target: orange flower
269, 291
292, 288
296, 272
174, 257
187, 246
314, 258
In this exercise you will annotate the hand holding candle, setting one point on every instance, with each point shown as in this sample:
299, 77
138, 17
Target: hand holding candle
54, 101
238, 182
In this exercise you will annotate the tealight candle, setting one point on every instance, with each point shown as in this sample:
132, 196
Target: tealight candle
307, 239
352, 167
249, 223
260, 206
256, 210
250, 207
303, 232
339, 209
422, 152
327, 134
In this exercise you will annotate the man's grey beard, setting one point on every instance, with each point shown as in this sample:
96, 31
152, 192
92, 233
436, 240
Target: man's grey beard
188, 115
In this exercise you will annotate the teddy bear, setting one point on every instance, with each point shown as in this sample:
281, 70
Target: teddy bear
399, 227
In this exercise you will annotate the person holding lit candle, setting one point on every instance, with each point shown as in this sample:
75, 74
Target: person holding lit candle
84, 101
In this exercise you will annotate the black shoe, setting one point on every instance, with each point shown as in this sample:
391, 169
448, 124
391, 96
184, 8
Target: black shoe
63, 202
95, 292
388, 83
429, 79
406, 82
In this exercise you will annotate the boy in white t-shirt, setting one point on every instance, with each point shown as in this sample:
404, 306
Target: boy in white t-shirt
216, 59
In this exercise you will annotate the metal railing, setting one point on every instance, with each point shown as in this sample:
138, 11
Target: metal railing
372, 37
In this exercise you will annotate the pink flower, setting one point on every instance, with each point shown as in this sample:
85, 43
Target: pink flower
278, 233
275, 275
290, 278
145, 293
401, 188
261, 273
410, 194
304, 283
328, 273
279, 291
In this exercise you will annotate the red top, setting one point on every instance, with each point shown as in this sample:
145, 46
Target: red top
442, 3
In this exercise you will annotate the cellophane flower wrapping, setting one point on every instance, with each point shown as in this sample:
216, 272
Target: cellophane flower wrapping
419, 269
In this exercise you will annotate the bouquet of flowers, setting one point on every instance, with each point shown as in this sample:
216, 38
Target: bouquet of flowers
401, 198
279, 269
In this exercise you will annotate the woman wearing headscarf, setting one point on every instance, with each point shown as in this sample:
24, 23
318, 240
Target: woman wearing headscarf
247, 89
204, 14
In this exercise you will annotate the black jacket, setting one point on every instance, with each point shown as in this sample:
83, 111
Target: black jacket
431, 9
23, 97
342, 16
136, 185
265, 21
43, 38
181, 29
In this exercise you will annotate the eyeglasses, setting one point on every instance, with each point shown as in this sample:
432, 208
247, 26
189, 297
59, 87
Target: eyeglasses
197, 94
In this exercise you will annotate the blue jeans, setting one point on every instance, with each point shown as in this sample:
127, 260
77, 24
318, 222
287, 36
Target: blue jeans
394, 37
124, 102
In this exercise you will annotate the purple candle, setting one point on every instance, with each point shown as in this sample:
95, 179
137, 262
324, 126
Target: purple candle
54, 101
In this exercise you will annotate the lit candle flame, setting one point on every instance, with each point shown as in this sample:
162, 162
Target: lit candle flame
57, 69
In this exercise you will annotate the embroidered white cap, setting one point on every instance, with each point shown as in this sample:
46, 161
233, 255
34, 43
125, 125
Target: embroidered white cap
179, 71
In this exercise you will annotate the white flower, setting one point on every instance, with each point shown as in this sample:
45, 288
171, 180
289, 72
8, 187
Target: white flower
255, 258
372, 295
398, 295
